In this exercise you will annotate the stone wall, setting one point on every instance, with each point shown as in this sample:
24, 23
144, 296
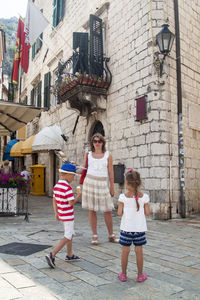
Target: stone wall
149, 146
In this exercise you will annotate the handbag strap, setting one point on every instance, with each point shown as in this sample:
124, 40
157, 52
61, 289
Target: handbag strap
86, 163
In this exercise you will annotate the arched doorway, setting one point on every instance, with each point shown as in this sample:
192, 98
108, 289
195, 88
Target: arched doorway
97, 127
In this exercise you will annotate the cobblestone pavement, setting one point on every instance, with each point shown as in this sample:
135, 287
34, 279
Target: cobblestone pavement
171, 260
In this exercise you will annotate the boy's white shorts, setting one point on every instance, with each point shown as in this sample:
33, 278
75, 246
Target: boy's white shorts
68, 229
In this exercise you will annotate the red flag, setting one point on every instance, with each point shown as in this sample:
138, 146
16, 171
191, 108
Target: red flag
21, 52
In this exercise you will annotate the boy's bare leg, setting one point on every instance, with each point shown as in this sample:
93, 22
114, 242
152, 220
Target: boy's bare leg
60, 245
139, 258
124, 258
69, 248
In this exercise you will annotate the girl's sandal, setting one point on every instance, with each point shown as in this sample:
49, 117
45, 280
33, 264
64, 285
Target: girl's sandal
94, 240
112, 238
122, 277
142, 277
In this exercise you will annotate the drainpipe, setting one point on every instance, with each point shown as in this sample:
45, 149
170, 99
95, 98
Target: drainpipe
179, 111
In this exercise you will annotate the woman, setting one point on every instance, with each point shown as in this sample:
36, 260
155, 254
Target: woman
95, 194
6, 168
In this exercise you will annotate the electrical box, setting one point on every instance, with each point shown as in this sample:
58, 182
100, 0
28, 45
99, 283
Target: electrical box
119, 173
37, 180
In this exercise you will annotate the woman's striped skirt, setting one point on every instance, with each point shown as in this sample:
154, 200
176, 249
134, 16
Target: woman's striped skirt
95, 194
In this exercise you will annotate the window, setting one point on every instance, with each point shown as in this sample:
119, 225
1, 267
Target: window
37, 46
141, 111
47, 85
58, 11
36, 95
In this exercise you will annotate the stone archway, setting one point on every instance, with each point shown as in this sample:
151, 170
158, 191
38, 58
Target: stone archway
97, 127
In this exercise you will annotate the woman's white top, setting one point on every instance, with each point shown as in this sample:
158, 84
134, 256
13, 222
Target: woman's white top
133, 220
98, 166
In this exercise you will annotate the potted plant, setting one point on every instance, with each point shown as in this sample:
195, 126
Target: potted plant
9, 186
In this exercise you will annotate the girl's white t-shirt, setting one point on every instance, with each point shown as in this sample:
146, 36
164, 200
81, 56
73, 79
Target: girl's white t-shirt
133, 220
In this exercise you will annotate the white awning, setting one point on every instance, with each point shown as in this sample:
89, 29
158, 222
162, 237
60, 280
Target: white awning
49, 138
13, 116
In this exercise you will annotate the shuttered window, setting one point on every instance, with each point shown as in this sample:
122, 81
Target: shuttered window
26, 100
39, 94
141, 110
58, 11
47, 83
32, 96
37, 46
96, 46
80, 58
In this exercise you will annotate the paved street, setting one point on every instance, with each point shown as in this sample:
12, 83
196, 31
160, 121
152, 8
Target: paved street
171, 260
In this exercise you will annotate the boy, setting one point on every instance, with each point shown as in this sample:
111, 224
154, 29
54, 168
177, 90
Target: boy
63, 201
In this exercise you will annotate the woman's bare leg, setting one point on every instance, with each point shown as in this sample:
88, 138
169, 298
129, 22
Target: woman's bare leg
93, 221
108, 221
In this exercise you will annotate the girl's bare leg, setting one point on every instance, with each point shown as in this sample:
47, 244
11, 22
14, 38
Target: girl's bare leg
124, 258
139, 258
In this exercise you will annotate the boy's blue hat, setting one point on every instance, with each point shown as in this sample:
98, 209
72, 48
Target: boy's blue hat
68, 168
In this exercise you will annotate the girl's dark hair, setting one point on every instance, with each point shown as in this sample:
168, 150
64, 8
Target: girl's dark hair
133, 179
98, 135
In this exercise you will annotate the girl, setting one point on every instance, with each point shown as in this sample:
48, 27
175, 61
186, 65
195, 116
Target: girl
133, 206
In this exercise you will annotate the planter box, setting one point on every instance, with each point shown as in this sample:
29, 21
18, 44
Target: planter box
8, 200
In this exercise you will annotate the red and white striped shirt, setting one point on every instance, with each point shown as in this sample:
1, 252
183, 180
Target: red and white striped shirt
63, 193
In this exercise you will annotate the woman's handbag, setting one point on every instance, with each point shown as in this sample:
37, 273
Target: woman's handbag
84, 171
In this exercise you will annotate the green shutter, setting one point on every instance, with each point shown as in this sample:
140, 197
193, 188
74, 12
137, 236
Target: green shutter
55, 12
61, 10
32, 96
96, 46
11, 92
40, 41
39, 94
25, 100
47, 83
33, 51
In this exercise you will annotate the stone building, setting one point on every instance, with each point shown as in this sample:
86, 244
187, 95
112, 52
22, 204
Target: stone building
150, 121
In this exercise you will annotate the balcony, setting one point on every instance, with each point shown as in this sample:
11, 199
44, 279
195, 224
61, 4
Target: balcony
84, 92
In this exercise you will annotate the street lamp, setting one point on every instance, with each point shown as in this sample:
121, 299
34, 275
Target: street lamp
164, 40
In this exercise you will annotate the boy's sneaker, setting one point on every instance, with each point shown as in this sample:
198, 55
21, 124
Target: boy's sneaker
73, 257
50, 260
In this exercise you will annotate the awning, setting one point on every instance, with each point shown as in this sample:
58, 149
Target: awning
16, 150
27, 145
49, 138
14, 116
6, 155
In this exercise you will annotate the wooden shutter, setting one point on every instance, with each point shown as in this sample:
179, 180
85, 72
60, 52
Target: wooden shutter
39, 94
80, 60
55, 8
96, 46
40, 41
33, 51
60, 10
47, 82
32, 96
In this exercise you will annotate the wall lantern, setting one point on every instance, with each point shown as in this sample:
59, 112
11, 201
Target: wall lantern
164, 40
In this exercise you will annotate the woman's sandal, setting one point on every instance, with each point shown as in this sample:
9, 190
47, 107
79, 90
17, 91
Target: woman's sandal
94, 240
142, 277
122, 277
112, 238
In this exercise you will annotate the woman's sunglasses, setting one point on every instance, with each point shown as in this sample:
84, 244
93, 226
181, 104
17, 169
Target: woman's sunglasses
97, 141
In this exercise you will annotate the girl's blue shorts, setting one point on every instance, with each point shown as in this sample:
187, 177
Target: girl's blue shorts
137, 238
